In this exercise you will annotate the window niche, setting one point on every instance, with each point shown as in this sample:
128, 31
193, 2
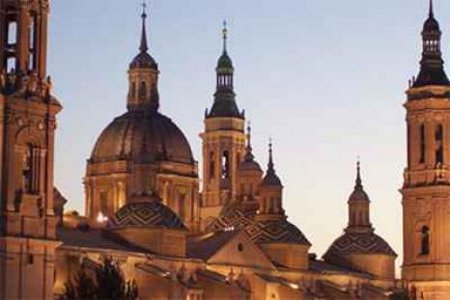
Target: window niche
32, 42
142, 90
27, 169
422, 144
212, 165
439, 133
12, 33
425, 240
225, 165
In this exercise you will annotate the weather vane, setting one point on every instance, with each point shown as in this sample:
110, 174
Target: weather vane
225, 35
144, 8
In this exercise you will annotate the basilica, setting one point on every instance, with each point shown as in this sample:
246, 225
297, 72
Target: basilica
221, 233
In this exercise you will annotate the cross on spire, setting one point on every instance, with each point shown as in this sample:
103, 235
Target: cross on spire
225, 36
431, 12
249, 135
144, 46
358, 174
271, 169
144, 9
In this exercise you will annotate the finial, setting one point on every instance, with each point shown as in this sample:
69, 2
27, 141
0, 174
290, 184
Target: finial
144, 47
248, 153
225, 36
431, 12
249, 135
270, 156
358, 174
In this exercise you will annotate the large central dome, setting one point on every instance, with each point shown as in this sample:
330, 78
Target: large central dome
142, 137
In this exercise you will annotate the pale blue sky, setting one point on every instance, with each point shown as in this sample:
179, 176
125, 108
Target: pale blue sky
325, 79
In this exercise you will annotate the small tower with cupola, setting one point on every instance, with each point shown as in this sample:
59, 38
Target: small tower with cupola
223, 142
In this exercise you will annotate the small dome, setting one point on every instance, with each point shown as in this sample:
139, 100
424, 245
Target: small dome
224, 106
142, 136
358, 243
225, 62
271, 179
147, 214
249, 165
431, 24
143, 61
275, 231
358, 195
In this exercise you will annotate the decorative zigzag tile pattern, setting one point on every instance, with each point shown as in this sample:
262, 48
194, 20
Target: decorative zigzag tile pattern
360, 243
237, 216
147, 214
275, 231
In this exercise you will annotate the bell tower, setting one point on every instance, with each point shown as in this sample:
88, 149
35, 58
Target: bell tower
27, 128
426, 188
223, 142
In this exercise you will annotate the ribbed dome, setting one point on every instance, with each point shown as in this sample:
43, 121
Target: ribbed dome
359, 243
249, 166
275, 231
143, 61
271, 179
144, 137
431, 24
358, 195
147, 214
225, 62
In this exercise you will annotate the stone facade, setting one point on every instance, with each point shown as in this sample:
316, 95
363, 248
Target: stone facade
233, 239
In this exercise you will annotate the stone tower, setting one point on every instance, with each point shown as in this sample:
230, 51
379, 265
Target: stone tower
426, 189
27, 114
223, 142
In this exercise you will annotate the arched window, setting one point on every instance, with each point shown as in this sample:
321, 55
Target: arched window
439, 144
12, 33
409, 144
425, 241
212, 165
32, 42
10, 64
225, 165
133, 90
182, 207
238, 160
422, 144
142, 90
27, 170
104, 202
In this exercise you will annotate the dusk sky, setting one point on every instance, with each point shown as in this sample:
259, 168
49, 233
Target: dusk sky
325, 79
